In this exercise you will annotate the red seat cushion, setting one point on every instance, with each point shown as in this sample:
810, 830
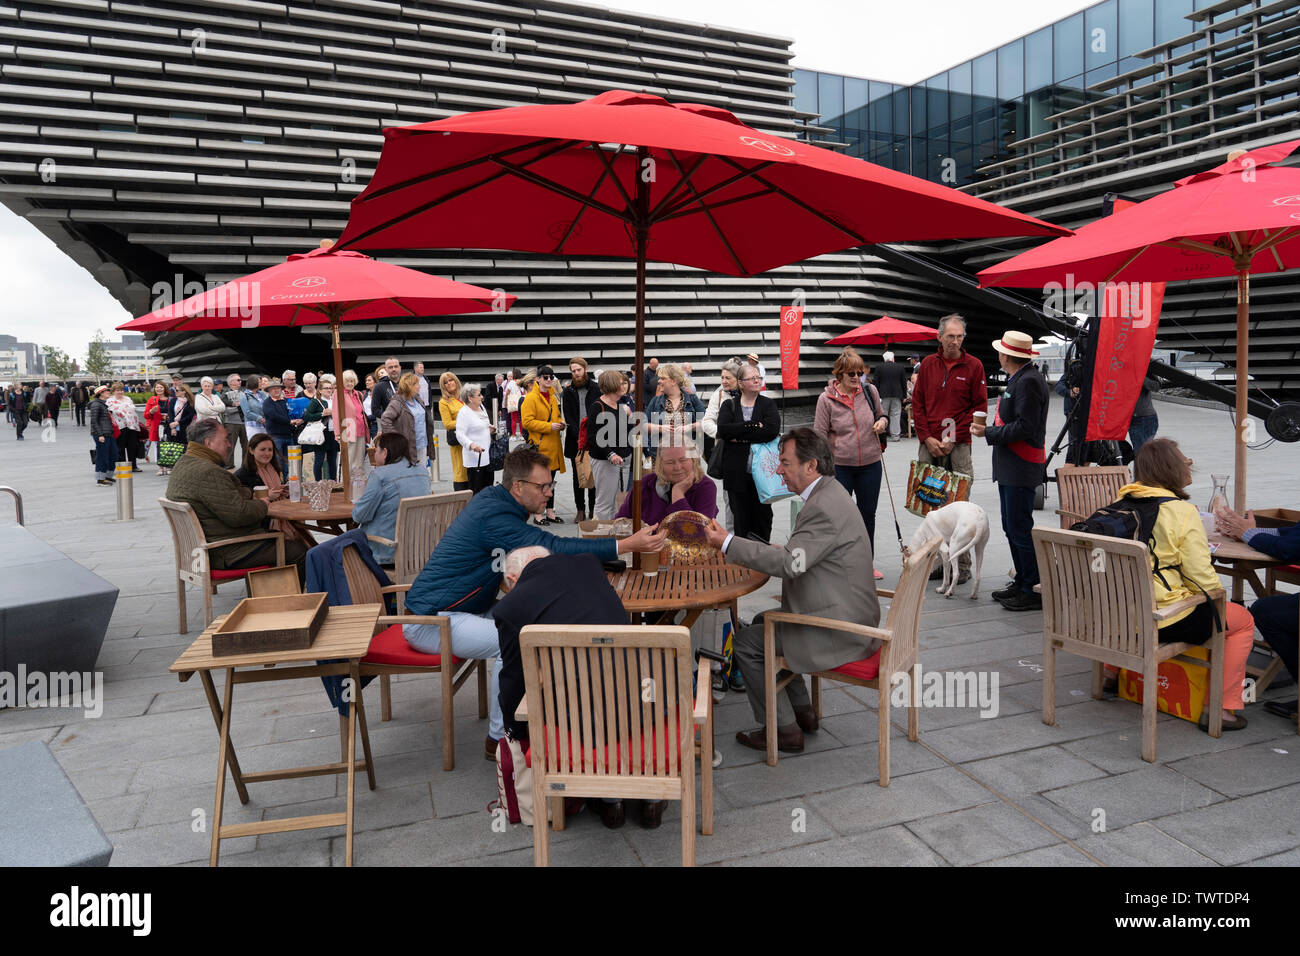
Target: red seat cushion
861, 670
232, 574
649, 755
1287, 569
390, 647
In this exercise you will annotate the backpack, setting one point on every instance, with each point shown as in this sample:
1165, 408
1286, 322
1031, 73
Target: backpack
1134, 519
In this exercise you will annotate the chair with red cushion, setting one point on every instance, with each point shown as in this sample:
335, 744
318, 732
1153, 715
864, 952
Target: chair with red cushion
897, 656
612, 693
390, 654
193, 562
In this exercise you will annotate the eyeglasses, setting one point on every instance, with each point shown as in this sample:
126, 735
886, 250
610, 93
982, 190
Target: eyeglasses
546, 487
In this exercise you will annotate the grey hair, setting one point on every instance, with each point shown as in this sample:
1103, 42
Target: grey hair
230, 379
469, 391
326, 379
519, 558
206, 380
732, 365
308, 378
943, 323
286, 373
204, 429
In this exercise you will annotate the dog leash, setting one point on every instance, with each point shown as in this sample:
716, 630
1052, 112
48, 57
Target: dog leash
906, 552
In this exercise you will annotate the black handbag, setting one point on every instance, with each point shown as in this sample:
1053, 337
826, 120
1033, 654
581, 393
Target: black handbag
715, 459
497, 452
452, 440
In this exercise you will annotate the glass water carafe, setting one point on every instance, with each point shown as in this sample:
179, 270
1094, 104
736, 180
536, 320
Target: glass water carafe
1219, 496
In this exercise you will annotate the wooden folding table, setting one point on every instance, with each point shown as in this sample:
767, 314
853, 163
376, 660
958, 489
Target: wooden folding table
344, 638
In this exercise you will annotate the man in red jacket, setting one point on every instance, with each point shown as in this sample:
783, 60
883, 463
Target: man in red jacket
950, 388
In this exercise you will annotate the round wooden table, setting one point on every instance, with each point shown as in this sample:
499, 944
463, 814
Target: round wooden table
692, 588
334, 520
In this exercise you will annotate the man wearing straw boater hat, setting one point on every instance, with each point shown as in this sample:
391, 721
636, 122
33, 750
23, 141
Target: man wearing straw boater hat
1019, 437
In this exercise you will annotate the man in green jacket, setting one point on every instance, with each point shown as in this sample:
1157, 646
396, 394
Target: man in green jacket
224, 506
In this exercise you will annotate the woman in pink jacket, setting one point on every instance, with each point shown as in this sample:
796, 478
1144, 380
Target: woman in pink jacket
850, 416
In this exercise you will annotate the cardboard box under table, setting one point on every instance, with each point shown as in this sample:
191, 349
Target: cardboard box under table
342, 640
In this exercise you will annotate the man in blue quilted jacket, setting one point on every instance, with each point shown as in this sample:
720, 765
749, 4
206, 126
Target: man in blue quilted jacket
464, 572
1277, 617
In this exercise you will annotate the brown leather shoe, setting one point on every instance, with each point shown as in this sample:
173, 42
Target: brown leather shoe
652, 813
611, 814
806, 718
788, 739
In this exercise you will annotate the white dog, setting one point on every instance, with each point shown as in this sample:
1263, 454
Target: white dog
964, 527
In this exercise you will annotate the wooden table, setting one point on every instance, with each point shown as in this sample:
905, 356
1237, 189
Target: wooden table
1242, 563
345, 634
334, 520
692, 588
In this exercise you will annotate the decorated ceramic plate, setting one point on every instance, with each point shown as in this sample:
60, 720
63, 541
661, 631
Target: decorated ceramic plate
686, 535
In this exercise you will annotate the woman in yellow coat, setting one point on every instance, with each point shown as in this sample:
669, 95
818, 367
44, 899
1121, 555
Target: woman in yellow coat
544, 422
449, 407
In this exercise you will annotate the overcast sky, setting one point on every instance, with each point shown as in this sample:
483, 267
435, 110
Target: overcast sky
50, 300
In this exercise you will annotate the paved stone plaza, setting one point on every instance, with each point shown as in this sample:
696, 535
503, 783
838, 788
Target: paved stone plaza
1004, 790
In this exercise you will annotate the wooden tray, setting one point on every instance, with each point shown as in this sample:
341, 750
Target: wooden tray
281, 623
1275, 517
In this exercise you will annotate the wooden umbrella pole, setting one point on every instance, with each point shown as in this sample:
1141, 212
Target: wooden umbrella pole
1243, 382
335, 408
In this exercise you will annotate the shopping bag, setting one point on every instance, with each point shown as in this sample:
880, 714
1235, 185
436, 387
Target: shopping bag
585, 478
930, 486
1182, 687
763, 463
312, 434
169, 452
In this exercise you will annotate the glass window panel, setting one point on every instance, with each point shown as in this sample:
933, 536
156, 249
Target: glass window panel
1101, 34
917, 94
1068, 46
1038, 59
805, 91
1101, 74
1171, 19
882, 113
855, 94
1136, 26
830, 94
937, 103
959, 91
985, 73
902, 115
1011, 70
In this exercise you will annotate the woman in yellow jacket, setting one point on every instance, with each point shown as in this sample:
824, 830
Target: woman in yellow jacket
544, 422
449, 407
1182, 553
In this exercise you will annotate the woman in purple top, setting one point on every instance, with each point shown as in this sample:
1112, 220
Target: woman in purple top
678, 483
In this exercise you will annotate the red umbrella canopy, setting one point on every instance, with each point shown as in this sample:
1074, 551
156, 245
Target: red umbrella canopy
1241, 216
316, 287
721, 196
883, 331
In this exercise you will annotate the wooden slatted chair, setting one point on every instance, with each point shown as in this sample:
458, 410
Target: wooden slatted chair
421, 523
1084, 489
898, 654
194, 562
611, 714
1099, 603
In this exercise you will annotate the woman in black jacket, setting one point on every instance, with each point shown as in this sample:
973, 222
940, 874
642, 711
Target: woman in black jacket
576, 398
751, 419
609, 442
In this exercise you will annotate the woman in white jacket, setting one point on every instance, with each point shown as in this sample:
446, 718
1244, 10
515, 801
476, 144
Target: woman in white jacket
475, 436
207, 404
709, 423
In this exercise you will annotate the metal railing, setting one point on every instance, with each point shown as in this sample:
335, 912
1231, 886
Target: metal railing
18, 501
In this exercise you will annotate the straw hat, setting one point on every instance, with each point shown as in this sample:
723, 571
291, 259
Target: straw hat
101, 388
1016, 344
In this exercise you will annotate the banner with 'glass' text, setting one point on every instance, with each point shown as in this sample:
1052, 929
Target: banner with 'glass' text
791, 330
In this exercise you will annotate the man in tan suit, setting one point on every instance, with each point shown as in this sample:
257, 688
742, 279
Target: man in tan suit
826, 571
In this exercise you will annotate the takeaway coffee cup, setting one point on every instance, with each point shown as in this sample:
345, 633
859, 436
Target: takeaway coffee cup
261, 491
981, 418
650, 563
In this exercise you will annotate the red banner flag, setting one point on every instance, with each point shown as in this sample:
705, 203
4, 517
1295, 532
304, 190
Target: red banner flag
791, 330
1129, 313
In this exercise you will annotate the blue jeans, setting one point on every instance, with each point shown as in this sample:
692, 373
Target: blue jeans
1142, 429
472, 636
105, 457
1018, 523
863, 482
1277, 618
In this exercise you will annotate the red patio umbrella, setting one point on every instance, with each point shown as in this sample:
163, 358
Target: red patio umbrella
318, 287
635, 176
1238, 219
884, 330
